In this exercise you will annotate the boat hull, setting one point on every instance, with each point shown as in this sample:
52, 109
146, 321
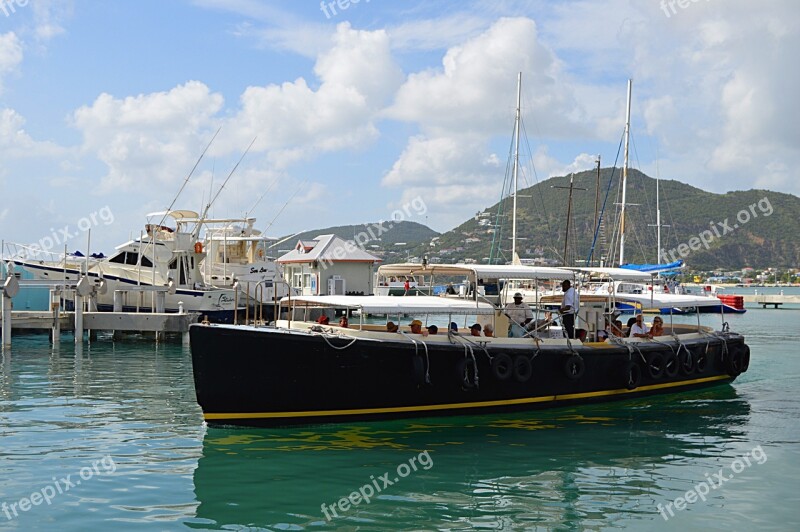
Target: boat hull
217, 305
280, 377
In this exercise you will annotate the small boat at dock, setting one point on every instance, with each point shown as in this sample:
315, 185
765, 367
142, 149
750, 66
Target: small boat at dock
302, 371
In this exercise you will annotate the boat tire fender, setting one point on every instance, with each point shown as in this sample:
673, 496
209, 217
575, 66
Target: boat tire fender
735, 362
633, 375
502, 366
745, 358
671, 365
655, 366
574, 367
686, 362
467, 373
523, 369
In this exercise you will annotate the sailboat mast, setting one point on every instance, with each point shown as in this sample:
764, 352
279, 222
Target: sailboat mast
625, 178
658, 224
516, 168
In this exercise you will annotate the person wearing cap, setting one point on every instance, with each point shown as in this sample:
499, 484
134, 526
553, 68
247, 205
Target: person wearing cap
475, 329
569, 307
416, 328
520, 315
391, 327
433, 329
639, 329
453, 327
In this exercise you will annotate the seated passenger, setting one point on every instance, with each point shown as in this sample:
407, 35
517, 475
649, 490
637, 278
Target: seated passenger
453, 327
343, 322
475, 329
433, 329
639, 329
488, 331
391, 327
323, 320
658, 327
416, 328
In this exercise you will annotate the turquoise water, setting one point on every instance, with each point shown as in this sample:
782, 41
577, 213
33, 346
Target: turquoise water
124, 416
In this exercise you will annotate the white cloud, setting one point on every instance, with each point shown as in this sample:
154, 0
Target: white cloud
16, 143
10, 55
357, 76
149, 138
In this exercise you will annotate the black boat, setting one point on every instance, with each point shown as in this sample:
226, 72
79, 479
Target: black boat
302, 372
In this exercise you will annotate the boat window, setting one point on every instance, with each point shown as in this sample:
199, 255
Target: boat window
131, 258
147, 263
173, 264
119, 258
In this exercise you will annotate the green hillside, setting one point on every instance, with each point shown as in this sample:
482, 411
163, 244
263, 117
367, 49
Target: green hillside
395, 238
766, 232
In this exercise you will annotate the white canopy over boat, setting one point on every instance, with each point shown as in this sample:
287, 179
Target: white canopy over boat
394, 305
479, 271
651, 300
618, 274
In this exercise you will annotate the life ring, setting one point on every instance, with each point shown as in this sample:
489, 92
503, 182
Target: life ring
502, 367
671, 365
574, 367
198, 247
467, 372
523, 369
655, 366
735, 363
633, 375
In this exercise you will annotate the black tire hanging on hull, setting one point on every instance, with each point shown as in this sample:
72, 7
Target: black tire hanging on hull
523, 369
633, 375
671, 365
502, 367
467, 372
655, 366
574, 367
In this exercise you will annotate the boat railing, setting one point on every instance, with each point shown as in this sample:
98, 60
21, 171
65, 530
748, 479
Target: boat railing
15, 251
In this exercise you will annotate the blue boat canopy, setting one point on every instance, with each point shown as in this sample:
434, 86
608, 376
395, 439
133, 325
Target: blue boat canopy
678, 264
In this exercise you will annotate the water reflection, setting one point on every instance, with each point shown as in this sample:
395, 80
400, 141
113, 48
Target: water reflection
595, 465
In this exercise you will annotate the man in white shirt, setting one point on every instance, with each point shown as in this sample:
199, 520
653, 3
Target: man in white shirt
639, 329
569, 307
520, 314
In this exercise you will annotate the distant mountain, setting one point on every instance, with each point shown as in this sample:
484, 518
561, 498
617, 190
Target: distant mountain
392, 238
756, 228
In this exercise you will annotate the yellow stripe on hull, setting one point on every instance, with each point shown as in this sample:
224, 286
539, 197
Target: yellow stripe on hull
456, 406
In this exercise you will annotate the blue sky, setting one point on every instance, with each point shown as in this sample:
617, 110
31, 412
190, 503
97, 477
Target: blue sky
109, 104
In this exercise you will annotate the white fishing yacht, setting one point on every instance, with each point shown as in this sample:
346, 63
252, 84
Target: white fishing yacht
168, 249
239, 253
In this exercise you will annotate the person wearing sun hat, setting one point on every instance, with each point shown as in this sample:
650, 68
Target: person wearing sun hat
519, 315
416, 328
391, 327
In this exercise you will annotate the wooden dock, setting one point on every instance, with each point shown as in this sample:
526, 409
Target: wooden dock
775, 300
83, 294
